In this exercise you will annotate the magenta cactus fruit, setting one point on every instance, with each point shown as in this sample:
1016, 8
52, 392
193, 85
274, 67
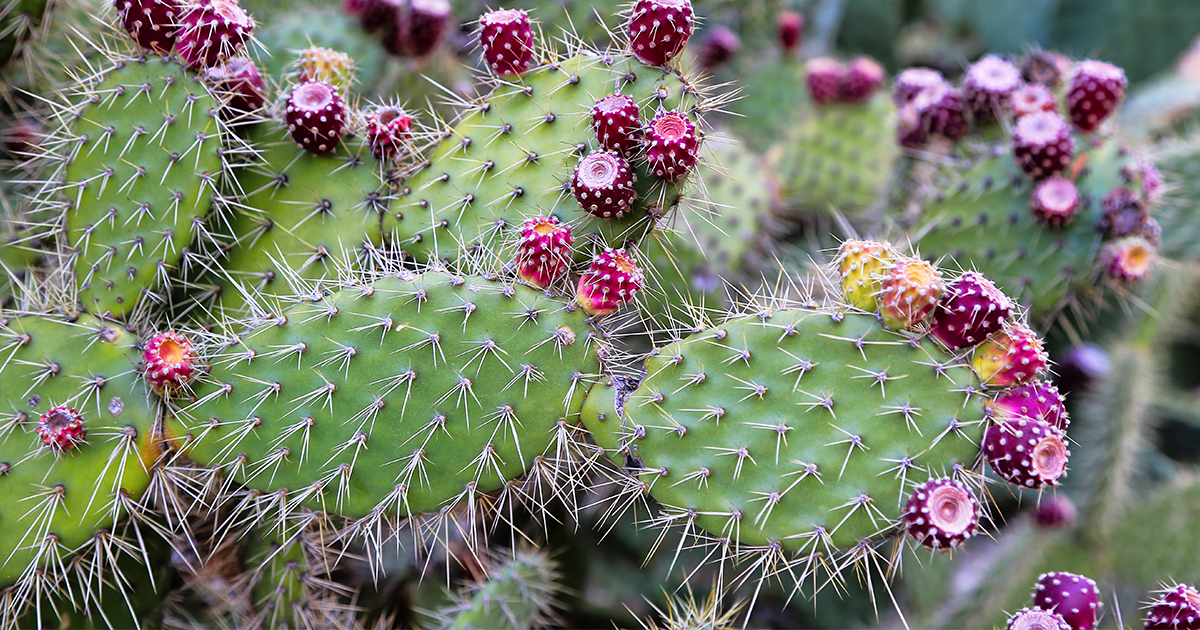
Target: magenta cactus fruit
941, 514
1013, 356
910, 289
1096, 90
61, 429
168, 363
316, 116
153, 24
1026, 452
377, 15
1055, 512
910, 130
1032, 98
416, 28
1128, 259
1039, 401
970, 310
718, 48
824, 77
912, 80
989, 85
239, 83
659, 29
1176, 608
1074, 597
615, 119
941, 110
671, 144
387, 129
544, 252
1123, 213
22, 137
1042, 144
1036, 619
603, 184
610, 282
789, 27
211, 31
1054, 202
863, 77
507, 40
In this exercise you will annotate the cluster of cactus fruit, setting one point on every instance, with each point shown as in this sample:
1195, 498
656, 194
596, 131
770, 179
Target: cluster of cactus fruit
310, 328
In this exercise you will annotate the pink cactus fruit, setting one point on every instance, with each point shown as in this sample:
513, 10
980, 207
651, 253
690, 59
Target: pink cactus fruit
1055, 512
1026, 452
611, 281
941, 514
153, 24
824, 77
1054, 202
1096, 90
1039, 401
719, 46
1013, 356
969, 311
1042, 144
659, 29
239, 83
316, 116
1123, 213
507, 39
671, 145
912, 80
1175, 608
169, 363
615, 119
61, 429
603, 185
789, 28
544, 252
942, 112
989, 85
418, 28
1036, 619
863, 76
1074, 597
387, 129
1032, 98
212, 31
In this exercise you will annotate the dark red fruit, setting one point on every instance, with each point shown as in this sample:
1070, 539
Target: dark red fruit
1124, 213
615, 119
211, 31
718, 48
603, 185
387, 129
941, 110
1042, 144
941, 514
825, 77
1177, 608
507, 41
168, 362
238, 82
659, 29
1096, 90
21, 138
1037, 401
1032, 98
418, 27
969, 311
1036, 619
611, 281
153, 24
863, 77
379, 15
910, 132
544, 252
61, 429
911, 81
1055, 201
1027, 453
790, 29
672, 146
989, 85
1055, 512
1074, 597
316, 116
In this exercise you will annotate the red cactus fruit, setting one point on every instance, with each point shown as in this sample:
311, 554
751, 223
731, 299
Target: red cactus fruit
672, 146
239, 83
611, 281
989, 85
718, 48
789, 27
1055, 512
941, 110
941, 514
912, 80
417, 28
603, 184
316, 116
1055, 201
1039, 401
211, 31
970, 310
1031, 98
863, 77
507, 41
544, 252
910, 131
378, 15
1042, 144
1013, 356
1123, 213
1176, 608
1128, 259
21, 138
1045, 67
387, 129
1096, 90
659, 29
153, 24
169, 362
61, 429
615, 119
1036, 619
909, 291
825, 77
1074, 597
1026, 452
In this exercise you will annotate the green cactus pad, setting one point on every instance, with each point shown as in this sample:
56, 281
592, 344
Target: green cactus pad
404, 394
142, 169
800, 427
512, 156
519, 592
287, 33
50, 506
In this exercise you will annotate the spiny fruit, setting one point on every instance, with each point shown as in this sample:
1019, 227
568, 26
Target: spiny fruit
212, 30
1175, 608
316, 116
659, 29
152, 23
1124, 213
909, 291
1055, 201
1013, 356
1074, 597
238, 83
1096, 90
911, 81
789, 28
507, 41
610, 282
861, 265
388, 126
1031, 98
970, 310
1128, 259
718, 48
417, 27
672, 146
603, 185
61, 429
989, 85
941, 514
863, 77
323, 64
825, 77
1055, 512
169, 362
1039, 401
544, 253
615, 119
1026, 452
1042, 144
1036, 619
941, 111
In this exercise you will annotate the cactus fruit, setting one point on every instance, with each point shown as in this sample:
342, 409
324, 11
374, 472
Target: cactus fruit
1055, 201
825, 77
1074, 597
789, 29
1124, 213
544, 253
989, 85
659, 29
316, 116
1096, 90
719, 46
1055, 512
970, 310
941, 514
615, 118
1045, 67
941, 112
388, 127
151, 23
1013, 356
1042, 144
168, 362
672, 145
603, 185
611, 281
1039, 401
861, 266
1128, 259
911, 81
507, 40
1026, 452
863, 77
417, 28
211, 31
330, 66
909, 290
1175, 608
1032, 98
61, 429
239, 83
1036, 619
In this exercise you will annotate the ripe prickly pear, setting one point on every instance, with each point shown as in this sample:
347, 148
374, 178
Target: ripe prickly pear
239, 83
153, 24
603, 185
168, 363
941, 514
659, 29
1096, 90
969, 311
1055, 201
863, 77
1026, 452
544, 253
1011, 357
1055, 512
612, 280
718, 48
671, 145
507, 40
1074, 597
912, 80
615, 119
825, 77
789, 27
1036, 619
1176, 608
61, 429
1031, 98
941, 111
316, 116
1039, 401
212, 30
988, 86
1042, 144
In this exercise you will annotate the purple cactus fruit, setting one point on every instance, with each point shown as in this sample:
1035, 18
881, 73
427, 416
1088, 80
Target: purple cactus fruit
418, 27
615, 119
387, 129
1055, 201
1124, 213
672, 146
789, 27
863, 77
718, 48
153, 24
1036, 619
910, 132
941, 514
316, 116
1128, 259
1039, 401
1013, 356
603, 185
824, 79
21, 138
1032, 98
610, 282
238, 83
1055, 512
989, 85
211, 31
379, 15
1082, 366
1176, 608
1096, 90
61, 429
1026, 452
659, 29
1042, 144
1074, 597
941, 110
544, 252
507, 41
970, 310
912, 80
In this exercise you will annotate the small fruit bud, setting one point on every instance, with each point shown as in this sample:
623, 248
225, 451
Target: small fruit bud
825, 77
1128, 259
169, 363
544, 253
61, 429
789, 27
863, 77
387, 129
718, 48
611, 281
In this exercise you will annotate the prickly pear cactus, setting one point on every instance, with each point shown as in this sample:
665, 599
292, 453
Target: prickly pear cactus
520, 591
326, 27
